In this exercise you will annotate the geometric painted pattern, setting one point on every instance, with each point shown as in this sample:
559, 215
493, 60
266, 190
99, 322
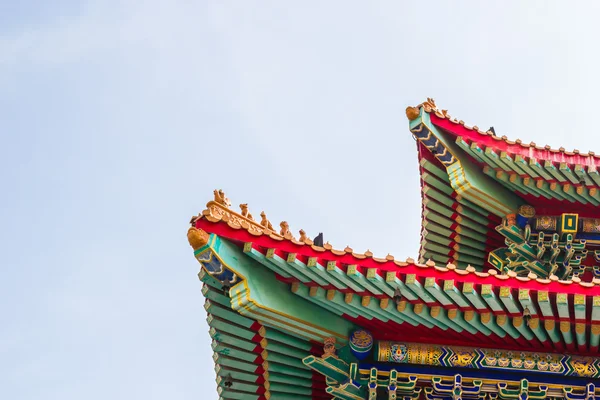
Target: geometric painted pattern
547, 363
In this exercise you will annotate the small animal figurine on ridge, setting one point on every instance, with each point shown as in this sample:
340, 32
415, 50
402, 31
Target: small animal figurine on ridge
245, 213
221, 199
265, 222
318, 240
285, 229
303, 236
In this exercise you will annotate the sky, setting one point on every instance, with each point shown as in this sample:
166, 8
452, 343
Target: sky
118, 119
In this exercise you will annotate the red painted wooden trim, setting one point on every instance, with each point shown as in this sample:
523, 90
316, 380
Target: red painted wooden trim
242, 236
501, 145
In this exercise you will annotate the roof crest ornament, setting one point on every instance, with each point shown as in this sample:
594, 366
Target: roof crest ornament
197, 237
304, 238
285, 230
264, 222
429, 105
221, 198
244, 211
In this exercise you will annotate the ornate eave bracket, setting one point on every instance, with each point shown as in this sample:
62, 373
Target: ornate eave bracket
245, 282
463, 177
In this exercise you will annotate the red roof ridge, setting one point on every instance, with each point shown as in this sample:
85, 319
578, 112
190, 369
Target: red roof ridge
429, 106
218, 212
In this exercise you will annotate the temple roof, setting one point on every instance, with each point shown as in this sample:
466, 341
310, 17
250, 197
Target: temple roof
510, 240
474, 185
457, 306
550, 177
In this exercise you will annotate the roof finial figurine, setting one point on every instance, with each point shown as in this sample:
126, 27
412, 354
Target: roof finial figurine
318, 240
429, 105
245, 213
285, 230
197, 238
492, 130
303, 236
265, 222
221, 198
412, 113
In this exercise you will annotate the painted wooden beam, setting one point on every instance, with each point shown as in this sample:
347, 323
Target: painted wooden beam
539, 169
315, 264
552, 170
545, 306
353, 272
568, 173
334, 270
595, 327
260, 257
593, 174
583, 176
531, 317
295, 264
378, 281
562, 305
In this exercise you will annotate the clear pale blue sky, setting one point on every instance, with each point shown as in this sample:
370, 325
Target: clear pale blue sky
118, 119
